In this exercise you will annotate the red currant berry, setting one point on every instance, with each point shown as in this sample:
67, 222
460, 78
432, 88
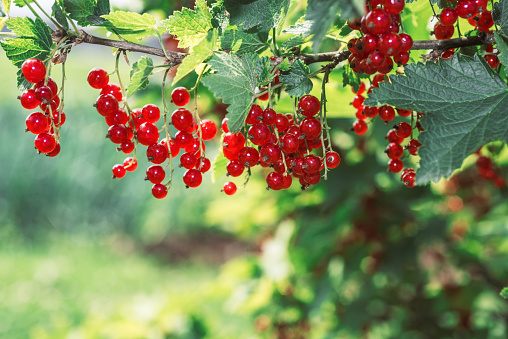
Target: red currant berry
113, 89
230, 155
492, 60
289, 143
157, 153
37, 123
394, 151
235, 168
269, 116
387, 66
265, 96
466, 8
188, 160
234, 142
312, 178
180, 96
401, 58
45, 142
395, 165
354, 23
155, 174
378, 21
275, 181
359, 127
485, 21
281, 123
448, 16
443, 32
208, 129
332, 159
270, 153
159, 191
311, 163
248, 156
407, 42
182, 120
192, 178
98, 78
390, 44
224, 125
54, 152
259, 134
393, 6
137, 117
107, 105
229, 188
151, 113
43, 94
255, 114
408, 179
413, 146
203, 165
392, 136
120, 117
404, 112
387, 113
29, 100
127, 146
310, 128
118, 171
51, 84
33, 70
403, 129
130, 164
310, 105
117, 134
147, 134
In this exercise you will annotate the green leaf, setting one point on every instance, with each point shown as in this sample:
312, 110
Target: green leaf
219, 166
7, 6
102, 8
190, 26
21, 3
59, 15
234, 82
324, 12
220, 19
242, 42
300, 28
130, 23
502, 47
465, 104
504, 293
28, 28
297, 79
140, 72
285, 65
262, 14
21, 81
198, 54
500, 16
295, 41
79, 10
263, 69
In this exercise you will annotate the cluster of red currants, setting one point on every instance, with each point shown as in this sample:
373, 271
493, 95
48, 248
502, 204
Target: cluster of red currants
46, 124
381, 40
138, 127
284, 143
487, 169
395, 136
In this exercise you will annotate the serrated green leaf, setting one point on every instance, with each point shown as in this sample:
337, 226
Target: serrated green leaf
465, 104
302, 28
262, 14
504, 293
219, 166
7, 6
79, 10
220, 19
198, 54
140, 72
500, 16
242, 42
502, 47
285, 65
28, 28
263, 69
295, 41
234, 81
21, 81
190, 26
59, 15
20, 49
297, 79
103, 7
324, 12
131, 24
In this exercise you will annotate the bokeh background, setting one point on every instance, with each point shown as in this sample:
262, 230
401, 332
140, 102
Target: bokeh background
358, 256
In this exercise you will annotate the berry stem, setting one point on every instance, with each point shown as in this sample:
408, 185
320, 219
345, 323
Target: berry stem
322, 118
274, 40
165, 115
161, 43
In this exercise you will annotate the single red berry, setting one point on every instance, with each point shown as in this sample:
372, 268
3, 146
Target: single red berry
45, 142
230, 154
188, 160
492, 60
289, 143
311, 163
404, 112
98, 78
106, 105
235, 168
378, 21
159, 191
395, 165
310, 128
448, 16
394, 151
413, 146
269, 116
182, 119
208, 129
390, 44
270, 153
155, 174
117, 134
180, 96
248, 156
120, 117
130, 164
229, 188
288, 180
43, 93
259, 134
310, 105
33, 70
174, 149
443, 32
255, 114
359, 127
466, 8
332, 159
192, 178
265, 96
393, 6
354, 23
312, 178
358, 101
403, 129
408, 179
137, 117
401, 58
157, 153
387, 113
51, 84
195, 146
203, 165
281, 122
54, 152
127, 146
147, 134
275, 181
407, 42
392, 136
118, 171
151, 113
113, 89
29, 100
37, 123
387, 66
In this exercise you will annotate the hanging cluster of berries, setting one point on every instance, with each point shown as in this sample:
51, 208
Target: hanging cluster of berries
477, 15
395, 136
382, 44
128, 130
282, 142
46, 124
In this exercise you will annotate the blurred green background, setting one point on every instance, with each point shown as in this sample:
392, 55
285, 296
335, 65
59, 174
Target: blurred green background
358, 256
